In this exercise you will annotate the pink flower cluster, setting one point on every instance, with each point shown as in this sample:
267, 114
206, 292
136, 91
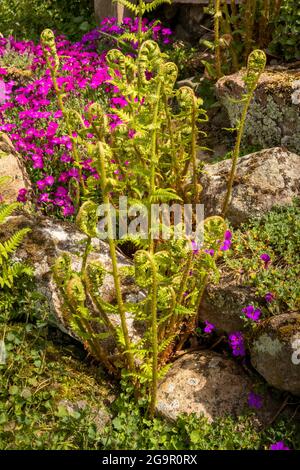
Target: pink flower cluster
31, 117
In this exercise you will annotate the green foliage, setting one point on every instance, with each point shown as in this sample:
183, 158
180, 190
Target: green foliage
130, 430
238, 30
37, 382
25, 19
278, 235
10, 271
285, 42
42, 383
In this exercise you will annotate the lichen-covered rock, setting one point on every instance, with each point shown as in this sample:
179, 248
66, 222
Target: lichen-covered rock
10, 166
263, 179
222, 303
205, 383
49, 239
273, 118
275, 352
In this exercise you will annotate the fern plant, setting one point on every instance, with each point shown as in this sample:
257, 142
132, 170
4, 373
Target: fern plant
139, 9
151, 158
238, 30
10, 271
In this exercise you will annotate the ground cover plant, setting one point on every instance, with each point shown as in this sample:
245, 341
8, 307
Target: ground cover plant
36, 415
266, 256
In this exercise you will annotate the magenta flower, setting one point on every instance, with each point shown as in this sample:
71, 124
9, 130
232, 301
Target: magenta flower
255, 400
227, 241
115, 121
280, 445
209, 327
131, 133
269, 297
22, 195
41, 184
68, 210
49, 180
210, 252
166, 31
44, 198
236, 342
195, 247
252, 313
119, 101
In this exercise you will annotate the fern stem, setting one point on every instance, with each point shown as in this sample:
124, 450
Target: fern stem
169, 124
113, 255
228, 30
217, 17
235, 156
103, 314
194, 151
85, 255
153, 161
154, 334
182, 288
250, 10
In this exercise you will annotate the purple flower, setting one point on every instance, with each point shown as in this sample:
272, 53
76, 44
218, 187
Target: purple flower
131, 133
266, 258
269, 297
41, 184
236, 342
227, 241
210, 252
254, 400
115, 121
209, 327
195, 247
119, 101
22, 195
166, 31
280, 445
68, 210
44, 197
49, 180
252, 313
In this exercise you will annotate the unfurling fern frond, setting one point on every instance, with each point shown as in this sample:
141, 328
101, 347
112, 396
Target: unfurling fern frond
149, 56
87, 218
255, 67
